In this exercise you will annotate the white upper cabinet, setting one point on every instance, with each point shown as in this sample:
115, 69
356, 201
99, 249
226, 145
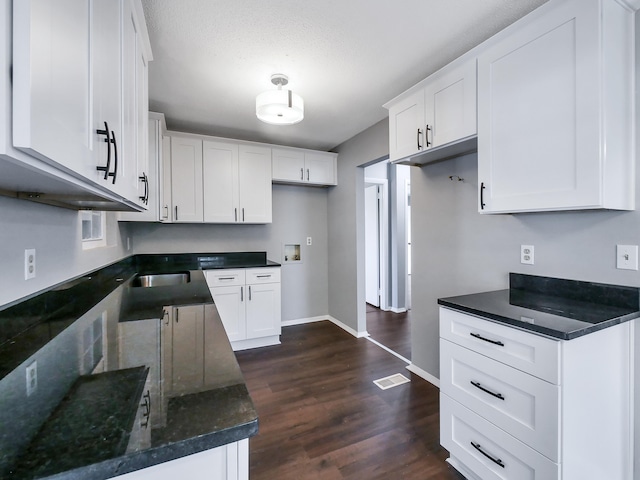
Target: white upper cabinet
254, 184
406, 126
153, 193
51, 82
555, 111
220, 175
450, 104
186, 179
293, 166
72, 92
438, 118
237, 180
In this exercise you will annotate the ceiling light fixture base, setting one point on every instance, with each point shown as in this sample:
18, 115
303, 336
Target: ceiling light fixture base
279, 107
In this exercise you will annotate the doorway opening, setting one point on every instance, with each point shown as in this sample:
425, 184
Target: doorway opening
387, 257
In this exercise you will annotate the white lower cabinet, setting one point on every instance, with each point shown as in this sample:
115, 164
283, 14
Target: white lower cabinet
227, 462
249, 304
515, 405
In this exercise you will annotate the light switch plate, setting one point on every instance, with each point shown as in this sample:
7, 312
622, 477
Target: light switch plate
627, 257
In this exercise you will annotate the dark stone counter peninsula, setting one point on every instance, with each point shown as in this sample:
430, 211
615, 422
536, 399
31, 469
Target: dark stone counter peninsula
104, 375
558, 308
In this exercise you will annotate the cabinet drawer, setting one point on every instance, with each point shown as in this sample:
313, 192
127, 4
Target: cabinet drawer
263, 275
525, 351
488, 451
519, 403
225, 277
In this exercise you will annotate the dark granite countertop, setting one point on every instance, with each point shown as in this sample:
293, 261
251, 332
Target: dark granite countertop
558, 308
99, 326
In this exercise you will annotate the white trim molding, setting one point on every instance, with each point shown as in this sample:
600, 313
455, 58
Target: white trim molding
398, 310
301, 321
347, 328
424, 374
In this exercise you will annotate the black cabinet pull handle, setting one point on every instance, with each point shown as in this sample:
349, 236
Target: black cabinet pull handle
242, 294
145, 198
480, 337
227, 278
302, 174
235, 214
249, 292
486, 390
482, 204
176, 219
165, 313
426, 136
243, 214
418, 139
263, 276
107, 140
114, 174
497, 461
307, 174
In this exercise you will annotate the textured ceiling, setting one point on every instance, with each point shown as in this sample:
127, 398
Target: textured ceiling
344, 57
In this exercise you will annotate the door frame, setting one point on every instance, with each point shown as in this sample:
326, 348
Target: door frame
383, 235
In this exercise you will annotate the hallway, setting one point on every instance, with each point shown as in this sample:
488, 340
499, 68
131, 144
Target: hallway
393, 330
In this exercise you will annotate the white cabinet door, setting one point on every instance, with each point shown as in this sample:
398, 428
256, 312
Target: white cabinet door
320, 168
220, 182
51, 83
254, 179
303, 167
450, 104
553, 97
133, 168
154, 175
288, 165
186, 179
263, 310
227, 462
406, 126
106, 126
230, 302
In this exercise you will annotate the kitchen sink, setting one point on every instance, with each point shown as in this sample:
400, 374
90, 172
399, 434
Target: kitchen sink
161, 279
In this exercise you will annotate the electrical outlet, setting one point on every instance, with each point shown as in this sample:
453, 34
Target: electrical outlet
526, 254
627, 257
32, 378
30, 263
309, 241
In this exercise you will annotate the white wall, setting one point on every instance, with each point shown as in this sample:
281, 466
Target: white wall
298, 212
55, 234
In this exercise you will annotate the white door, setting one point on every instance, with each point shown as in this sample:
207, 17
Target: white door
372, 244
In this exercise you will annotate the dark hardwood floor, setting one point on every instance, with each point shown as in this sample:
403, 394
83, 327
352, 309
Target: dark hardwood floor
321, 417
393, 330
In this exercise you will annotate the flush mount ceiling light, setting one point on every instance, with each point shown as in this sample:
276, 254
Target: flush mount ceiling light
279, 107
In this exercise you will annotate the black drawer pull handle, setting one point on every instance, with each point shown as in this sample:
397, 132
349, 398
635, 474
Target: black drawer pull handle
114, 174
485, 390
418, 139
497, 461
263, 276
227, 278
480, 337
426, 136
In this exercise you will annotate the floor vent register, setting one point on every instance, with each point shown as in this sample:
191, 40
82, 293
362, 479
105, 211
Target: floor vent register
391, 381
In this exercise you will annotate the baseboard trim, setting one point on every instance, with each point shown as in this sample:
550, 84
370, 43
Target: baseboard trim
397, 310
255, 343
301, 321
424, 375
347, 328
395, 354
